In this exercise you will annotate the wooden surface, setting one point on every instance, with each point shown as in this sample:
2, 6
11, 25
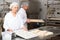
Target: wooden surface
54, 18
37, 20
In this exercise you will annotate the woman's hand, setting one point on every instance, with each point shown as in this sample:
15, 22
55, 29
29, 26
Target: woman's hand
24, 28
28, 20
10, 30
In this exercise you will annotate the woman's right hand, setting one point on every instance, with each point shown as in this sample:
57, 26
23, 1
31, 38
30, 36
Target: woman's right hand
10, 30
28, 21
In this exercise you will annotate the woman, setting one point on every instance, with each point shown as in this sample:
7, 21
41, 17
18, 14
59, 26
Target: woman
22, 13
12, 22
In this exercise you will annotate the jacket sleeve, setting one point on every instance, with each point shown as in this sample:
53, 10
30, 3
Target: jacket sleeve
23, 16
5, 25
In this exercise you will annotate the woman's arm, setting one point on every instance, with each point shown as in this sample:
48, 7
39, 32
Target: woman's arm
6, 24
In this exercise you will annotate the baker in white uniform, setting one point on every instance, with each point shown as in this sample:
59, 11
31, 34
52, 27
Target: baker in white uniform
22, 12
12, 22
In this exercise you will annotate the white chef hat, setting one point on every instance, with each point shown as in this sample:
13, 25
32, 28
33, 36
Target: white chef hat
24, 3
13, 4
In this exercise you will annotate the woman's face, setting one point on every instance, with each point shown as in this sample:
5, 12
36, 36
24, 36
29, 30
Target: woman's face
15, 8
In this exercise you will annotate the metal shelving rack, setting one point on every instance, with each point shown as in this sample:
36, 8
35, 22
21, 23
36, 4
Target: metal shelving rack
53, 14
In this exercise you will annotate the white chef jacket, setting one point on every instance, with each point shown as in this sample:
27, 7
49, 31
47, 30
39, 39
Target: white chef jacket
11, 22
22, 14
